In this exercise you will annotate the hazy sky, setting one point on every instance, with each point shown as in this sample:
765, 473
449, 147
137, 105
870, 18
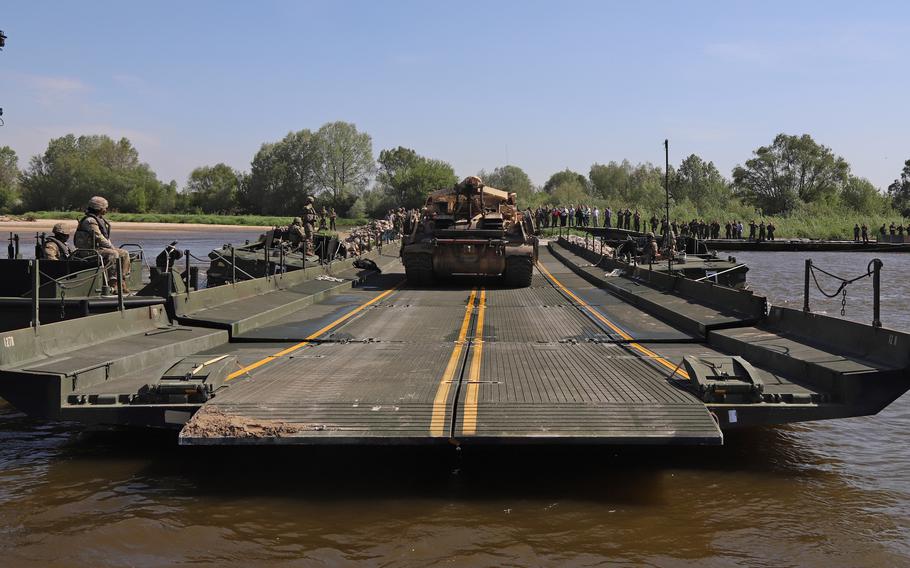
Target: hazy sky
542, 85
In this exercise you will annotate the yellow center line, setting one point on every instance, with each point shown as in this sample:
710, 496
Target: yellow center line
619, 331
469, 415
313, 335
440, 403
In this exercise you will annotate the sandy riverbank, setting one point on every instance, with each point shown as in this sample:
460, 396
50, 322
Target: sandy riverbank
44, 225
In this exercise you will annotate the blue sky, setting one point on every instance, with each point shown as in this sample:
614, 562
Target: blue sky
542, 85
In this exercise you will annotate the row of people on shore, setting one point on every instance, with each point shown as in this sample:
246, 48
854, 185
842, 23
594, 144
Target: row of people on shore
545, 217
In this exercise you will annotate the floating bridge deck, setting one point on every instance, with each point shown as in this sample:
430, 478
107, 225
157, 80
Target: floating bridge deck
473, 362
578, 357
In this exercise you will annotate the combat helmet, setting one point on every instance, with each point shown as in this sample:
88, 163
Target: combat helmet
97, 203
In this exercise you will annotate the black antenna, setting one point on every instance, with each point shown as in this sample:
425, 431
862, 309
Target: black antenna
667, 190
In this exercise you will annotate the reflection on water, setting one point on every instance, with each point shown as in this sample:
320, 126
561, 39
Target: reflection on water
823, 494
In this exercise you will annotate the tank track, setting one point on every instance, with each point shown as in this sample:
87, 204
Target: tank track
519, 271
419, 269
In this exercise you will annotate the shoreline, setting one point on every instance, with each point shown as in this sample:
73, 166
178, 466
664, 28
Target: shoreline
45, 225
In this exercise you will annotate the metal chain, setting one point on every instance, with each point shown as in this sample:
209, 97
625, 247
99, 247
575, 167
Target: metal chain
843, 302
63, 303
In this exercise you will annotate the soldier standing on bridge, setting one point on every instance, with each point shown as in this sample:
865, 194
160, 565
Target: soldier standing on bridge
55, 247
653, 254
309, 222
761, 231
856, 232
332, 217
608, 217
864, 231
637, 221
771, 229
94, 233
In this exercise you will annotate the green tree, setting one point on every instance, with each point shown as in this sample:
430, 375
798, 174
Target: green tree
560, 178
899, 191
570, 191
345, 162
791, 169
282, 175
699, 182
214, 189
407, 178
860, 195
611, 181
510, 178
73, 169
640, 186
9, 178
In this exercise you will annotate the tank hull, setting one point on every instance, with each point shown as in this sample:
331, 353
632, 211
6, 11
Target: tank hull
465, 256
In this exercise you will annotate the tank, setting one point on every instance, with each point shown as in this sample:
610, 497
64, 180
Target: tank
470, 229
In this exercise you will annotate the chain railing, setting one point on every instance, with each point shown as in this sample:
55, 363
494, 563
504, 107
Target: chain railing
873, 270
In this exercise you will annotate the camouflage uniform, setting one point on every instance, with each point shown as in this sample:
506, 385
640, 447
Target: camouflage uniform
55, 247
309, 221
94, 233
295, 233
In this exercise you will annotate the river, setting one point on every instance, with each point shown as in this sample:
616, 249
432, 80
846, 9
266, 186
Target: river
826, 494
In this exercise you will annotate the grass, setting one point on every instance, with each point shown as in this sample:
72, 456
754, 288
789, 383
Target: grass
201, 218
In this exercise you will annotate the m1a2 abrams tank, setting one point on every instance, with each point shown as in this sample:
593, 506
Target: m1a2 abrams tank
470, 229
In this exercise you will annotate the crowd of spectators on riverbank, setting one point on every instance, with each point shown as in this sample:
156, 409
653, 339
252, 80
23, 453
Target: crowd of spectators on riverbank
571, 216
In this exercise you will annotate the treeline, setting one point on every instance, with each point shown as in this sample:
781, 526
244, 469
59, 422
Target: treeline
336, 164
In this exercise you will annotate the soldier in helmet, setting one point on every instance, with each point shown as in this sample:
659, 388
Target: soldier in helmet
309, 220
55, 247
294, 231
653, 252
94, 233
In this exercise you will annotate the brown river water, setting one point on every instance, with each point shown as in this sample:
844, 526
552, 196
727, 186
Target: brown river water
827, 494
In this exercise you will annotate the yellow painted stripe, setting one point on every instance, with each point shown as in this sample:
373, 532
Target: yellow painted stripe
469, 412
619, 331
437, 422
313, 335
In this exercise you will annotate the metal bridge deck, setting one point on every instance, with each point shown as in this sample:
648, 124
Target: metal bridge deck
471, 362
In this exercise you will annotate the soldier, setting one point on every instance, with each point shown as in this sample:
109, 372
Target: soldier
761, 231
637, 221
653, 253
94, 233
295, 234
864, 232
752, 230
882, 232
55, 247
309, 221
654, 220
332, 217
771, 229
608, 217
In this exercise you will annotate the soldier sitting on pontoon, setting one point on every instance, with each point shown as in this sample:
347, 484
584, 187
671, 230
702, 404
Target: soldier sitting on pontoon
295, 233
94, 233
55, 247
